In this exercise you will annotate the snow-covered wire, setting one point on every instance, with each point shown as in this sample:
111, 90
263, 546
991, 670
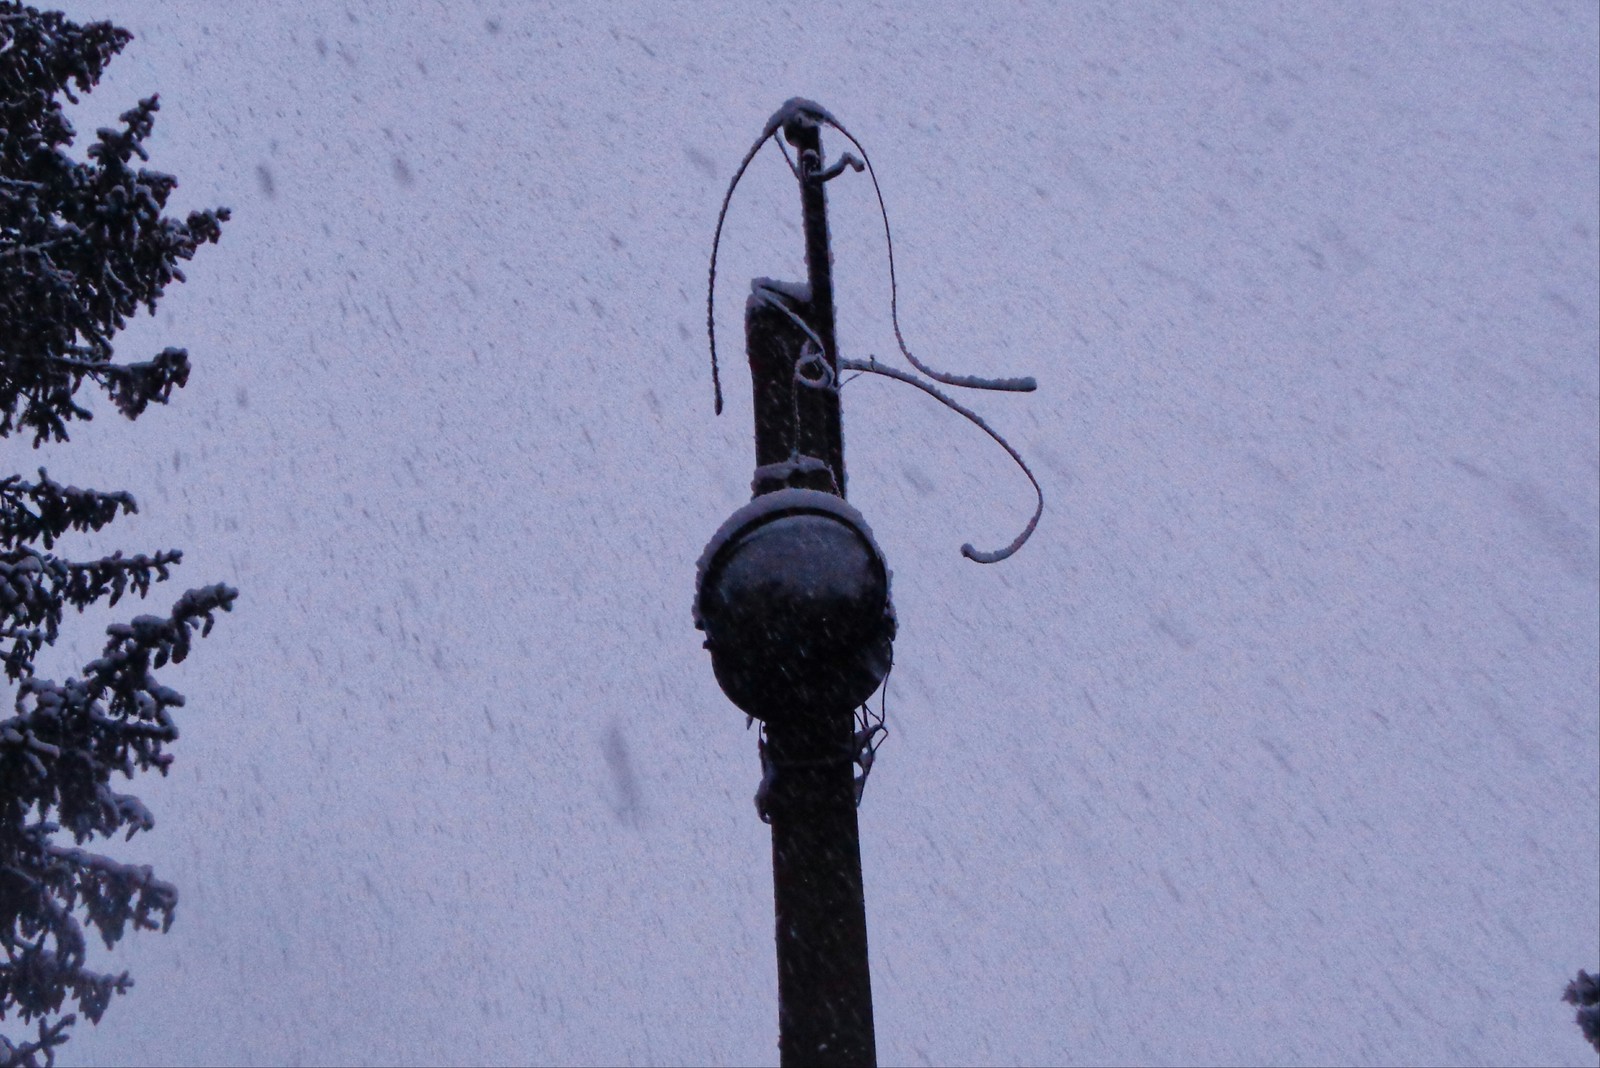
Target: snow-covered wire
799, 107
794, 168
872, 366
812, 336
813, 346
871, 730
792, 108
716, 241
812, 354
1025, 384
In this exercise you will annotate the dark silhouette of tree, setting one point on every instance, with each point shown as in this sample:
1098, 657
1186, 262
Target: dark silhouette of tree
1584, 992
83, 246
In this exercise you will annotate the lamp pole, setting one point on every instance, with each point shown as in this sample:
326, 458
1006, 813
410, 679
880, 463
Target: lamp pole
799, 647
793, 595
824, 987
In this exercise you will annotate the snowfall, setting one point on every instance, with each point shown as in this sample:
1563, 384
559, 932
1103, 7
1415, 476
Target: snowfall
1278, 743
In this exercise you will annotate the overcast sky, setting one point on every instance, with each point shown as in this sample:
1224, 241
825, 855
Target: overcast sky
1279, 742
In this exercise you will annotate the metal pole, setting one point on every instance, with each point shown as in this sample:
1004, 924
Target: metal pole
825, 429
824, 986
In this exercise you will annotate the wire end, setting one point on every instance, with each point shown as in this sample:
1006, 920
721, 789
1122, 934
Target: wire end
978, 556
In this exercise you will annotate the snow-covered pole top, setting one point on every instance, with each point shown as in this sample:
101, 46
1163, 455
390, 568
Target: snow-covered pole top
798, 112
796, 375
804, 133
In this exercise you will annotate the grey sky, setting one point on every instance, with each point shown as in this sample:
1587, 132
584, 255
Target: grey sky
1278, 743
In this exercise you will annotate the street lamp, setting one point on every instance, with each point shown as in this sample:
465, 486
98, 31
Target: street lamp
792, 593
794, 600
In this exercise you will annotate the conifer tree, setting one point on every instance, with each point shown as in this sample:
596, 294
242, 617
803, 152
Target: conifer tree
1584, 992
83, 247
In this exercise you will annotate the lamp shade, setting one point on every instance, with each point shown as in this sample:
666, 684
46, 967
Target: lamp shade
793, 596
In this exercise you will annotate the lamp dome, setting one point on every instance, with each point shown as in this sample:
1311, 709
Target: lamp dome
793, 595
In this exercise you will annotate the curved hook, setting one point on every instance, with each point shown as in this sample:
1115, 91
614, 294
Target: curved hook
872, 366
792, 108
1024, 384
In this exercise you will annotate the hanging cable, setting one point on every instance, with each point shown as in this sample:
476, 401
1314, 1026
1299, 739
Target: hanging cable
716, 241
813, 348
799, 107
1025, 384
796, 108
872, 366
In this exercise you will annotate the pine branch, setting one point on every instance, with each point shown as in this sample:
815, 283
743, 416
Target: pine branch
84, 246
